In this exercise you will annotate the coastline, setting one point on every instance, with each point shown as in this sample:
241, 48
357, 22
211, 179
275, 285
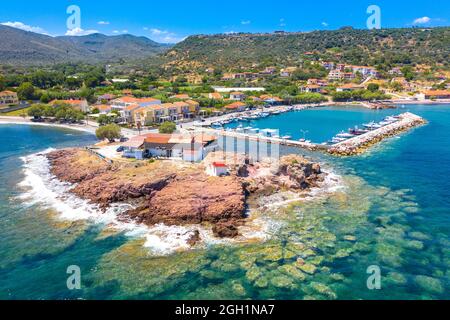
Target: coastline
22, 121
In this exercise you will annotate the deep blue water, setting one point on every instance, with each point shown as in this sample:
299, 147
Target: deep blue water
396, 207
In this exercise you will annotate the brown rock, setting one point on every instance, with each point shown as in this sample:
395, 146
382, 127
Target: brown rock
225, 230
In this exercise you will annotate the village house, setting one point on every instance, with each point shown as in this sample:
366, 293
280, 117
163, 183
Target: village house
194, 106
237, 96
181, 96
103, 108
349, 87
287, 72
395, 71
236, 107
105, 98
269, 70
127, 105
335, 75
81, 105
192, 148
273, 100
8, 98
183, 110
319, 82
328, 65
436, 94
215, 96
311, 88
217, 169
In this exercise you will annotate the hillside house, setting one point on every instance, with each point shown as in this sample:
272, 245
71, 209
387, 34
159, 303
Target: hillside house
8, 98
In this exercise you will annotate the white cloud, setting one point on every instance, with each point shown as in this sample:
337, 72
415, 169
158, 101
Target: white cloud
245, 22
422, 20
164, 36
120, 31
231, 32
282, 22
103, 23
324, 24
25, 27
80, 32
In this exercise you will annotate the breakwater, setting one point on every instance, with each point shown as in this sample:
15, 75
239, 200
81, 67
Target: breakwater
359, 144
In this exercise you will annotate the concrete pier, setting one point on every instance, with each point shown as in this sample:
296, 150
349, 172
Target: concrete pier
359, 144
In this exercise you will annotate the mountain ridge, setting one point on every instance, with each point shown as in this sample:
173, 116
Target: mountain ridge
29, 48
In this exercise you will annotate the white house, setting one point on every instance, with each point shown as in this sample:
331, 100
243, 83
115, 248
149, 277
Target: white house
217, 169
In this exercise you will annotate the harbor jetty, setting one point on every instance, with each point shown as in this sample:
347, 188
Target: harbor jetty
361, 143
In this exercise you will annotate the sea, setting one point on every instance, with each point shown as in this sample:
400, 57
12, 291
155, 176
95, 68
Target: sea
380, 231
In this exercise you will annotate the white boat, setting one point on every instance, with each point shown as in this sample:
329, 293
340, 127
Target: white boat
337, 140
345, 135
287, 137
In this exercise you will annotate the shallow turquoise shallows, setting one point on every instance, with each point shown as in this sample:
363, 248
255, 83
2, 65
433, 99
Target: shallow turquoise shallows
391, 211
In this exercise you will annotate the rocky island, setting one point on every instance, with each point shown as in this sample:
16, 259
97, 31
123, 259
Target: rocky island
179, 193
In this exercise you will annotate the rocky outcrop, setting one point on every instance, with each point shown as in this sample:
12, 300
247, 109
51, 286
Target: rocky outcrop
193, 200
179, 195
293, 172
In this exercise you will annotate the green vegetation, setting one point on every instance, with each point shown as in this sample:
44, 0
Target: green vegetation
358, 95
167, 127
62, 113
109, 132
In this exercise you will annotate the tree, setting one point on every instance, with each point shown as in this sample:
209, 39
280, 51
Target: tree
104, 120
373, 87
167, 127
36, 111
110, 132
2, 83
26, 91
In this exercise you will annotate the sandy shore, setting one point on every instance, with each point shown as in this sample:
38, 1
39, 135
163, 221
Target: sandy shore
22, 121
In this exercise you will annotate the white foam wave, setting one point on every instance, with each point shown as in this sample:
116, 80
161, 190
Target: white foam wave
43, 188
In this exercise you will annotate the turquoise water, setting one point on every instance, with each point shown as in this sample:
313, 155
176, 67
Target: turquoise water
321, 124
393, 212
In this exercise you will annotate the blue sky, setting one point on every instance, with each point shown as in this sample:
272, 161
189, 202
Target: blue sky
172, 20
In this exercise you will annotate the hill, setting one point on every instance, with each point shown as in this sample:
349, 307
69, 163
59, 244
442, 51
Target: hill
362, 47
27, 48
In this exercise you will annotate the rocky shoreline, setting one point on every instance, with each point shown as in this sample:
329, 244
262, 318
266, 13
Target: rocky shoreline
179, 193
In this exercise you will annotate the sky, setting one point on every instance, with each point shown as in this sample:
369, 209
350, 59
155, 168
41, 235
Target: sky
172, 21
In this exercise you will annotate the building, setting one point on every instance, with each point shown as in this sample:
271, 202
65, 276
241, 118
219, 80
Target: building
183, 109
349, 87
335, 75
134, 148
217, 169
236, 107
287, 72
192, 148
103, 108
181, 97
8, 97
194, 106
215, 96
311, 88
328, 65
437, 94
81, 105
269, 70
105, 98
127, 105
237, 96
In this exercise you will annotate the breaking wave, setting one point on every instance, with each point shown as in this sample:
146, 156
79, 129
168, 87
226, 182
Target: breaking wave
42, 188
